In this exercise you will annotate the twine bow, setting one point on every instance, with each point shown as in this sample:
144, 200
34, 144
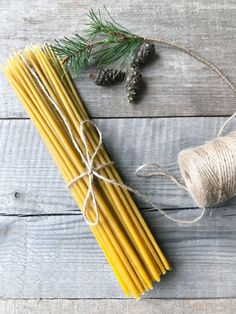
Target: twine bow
91, 171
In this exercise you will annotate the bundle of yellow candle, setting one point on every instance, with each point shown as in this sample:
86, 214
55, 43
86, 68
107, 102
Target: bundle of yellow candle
52, 102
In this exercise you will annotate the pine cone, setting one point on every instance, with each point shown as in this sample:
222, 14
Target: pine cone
133, 83
105, 77
145, 52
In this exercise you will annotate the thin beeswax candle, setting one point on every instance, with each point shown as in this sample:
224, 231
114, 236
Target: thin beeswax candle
46, 91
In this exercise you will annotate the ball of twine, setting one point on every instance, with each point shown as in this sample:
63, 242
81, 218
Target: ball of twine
209, 170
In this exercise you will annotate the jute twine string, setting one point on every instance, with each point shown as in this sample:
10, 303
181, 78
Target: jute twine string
209, 171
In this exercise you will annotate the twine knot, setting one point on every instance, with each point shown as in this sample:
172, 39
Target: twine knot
91, 172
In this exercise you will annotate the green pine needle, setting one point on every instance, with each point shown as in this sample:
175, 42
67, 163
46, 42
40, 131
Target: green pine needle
110, 28
75, 51
118, 56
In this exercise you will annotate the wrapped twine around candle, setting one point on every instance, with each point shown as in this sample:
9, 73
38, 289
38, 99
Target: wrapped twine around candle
91, 171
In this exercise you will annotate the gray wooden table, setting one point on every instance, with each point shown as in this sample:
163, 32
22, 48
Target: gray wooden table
46, 249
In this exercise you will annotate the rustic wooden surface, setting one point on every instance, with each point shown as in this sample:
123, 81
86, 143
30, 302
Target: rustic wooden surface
118, 306
46, 250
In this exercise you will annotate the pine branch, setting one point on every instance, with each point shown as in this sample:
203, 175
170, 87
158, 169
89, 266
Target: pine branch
107, 44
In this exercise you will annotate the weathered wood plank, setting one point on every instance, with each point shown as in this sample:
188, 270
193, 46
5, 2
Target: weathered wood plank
57, 257
118, 306
31, 183
176, 85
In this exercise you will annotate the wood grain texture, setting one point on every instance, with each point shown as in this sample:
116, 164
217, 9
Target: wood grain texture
57, 257
118, 306
31, 184
50, 252
176, 84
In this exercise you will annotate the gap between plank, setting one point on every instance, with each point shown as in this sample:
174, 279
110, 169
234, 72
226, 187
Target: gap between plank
133, 117
79, 213
122, 299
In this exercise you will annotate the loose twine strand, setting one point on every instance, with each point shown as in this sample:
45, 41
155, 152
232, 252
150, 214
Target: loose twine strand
91, 171
196, 56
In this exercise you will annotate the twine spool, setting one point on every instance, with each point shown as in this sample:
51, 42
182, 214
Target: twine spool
209, 170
